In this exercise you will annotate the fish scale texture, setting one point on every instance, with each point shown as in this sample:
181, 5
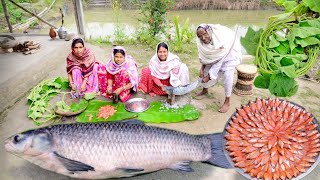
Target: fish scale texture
122, 145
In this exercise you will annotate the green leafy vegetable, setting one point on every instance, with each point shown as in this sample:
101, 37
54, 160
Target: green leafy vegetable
314, 5
89, 96
262, 81
278, 88
288, 47
40, 110
79, 106
251, 40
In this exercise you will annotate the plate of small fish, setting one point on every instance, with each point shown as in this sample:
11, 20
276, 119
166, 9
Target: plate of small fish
137, 105
272, 139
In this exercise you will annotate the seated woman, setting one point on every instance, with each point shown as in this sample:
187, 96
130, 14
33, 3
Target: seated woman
165, 69
82, 69
119, 78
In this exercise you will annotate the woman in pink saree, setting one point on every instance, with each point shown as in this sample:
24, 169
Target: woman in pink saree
82, 69
119, 78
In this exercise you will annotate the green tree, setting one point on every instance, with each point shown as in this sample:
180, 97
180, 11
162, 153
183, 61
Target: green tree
154, 14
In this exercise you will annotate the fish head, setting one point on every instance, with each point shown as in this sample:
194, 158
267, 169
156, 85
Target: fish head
29, 143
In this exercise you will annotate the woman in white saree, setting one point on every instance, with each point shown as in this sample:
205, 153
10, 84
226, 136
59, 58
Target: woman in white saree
219, 53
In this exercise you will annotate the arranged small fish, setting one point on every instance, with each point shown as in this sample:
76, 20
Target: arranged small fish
181, 90
273, 139
113, 150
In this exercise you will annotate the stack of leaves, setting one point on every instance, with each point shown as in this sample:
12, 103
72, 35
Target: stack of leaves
157, 113
40, 110
287, 48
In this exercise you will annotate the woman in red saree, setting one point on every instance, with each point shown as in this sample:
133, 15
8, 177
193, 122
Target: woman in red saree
119, 78
165, 69
82, 69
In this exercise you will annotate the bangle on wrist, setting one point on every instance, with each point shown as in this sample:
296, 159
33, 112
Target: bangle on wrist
124, 88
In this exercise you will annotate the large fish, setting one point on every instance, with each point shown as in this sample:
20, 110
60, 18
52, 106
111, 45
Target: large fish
112, 150
181, 90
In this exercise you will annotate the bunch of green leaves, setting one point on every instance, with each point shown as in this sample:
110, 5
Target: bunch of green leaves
75, 107
287, 48
157, 113
40, 110
278, 84
153, 13
183, 35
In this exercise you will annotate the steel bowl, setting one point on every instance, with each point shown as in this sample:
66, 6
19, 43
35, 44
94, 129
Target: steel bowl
137, 105
241, 171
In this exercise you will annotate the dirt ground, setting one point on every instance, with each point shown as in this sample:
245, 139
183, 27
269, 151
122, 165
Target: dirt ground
211, 121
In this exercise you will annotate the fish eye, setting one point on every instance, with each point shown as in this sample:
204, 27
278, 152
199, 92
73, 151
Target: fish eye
17, 138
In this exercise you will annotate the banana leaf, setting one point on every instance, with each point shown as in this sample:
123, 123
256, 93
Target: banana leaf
157, 113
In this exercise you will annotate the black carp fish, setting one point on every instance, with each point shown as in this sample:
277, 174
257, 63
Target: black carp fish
113, 150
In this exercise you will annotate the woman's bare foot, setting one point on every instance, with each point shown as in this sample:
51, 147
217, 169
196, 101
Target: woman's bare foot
203, 92
225, 107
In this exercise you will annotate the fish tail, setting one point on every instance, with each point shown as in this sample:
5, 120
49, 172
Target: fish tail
218, 157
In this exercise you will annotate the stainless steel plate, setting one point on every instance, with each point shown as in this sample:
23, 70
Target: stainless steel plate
137, 105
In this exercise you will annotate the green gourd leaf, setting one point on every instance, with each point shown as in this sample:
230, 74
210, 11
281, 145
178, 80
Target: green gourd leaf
262, 81
282, 86
251, 40
314, 5
307, 41
79, 106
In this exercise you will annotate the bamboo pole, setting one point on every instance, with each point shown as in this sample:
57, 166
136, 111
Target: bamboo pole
33, 14
79, 16
6, 14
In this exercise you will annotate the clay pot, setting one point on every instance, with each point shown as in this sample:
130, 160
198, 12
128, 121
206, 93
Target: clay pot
52, 33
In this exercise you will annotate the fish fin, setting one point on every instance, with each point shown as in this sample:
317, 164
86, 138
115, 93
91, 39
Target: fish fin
131, 121
218, 158
72, 165
183, 166
131, 171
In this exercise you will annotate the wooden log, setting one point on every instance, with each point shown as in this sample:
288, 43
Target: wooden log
31, 51
36, 46
33, 14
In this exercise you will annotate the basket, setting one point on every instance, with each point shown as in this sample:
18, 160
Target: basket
69, 101
246, 74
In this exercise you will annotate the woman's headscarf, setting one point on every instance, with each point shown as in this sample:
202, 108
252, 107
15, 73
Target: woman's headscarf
129, 65
221, 36
170, 68
84, 63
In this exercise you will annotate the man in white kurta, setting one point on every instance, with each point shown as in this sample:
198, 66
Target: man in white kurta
219, 53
